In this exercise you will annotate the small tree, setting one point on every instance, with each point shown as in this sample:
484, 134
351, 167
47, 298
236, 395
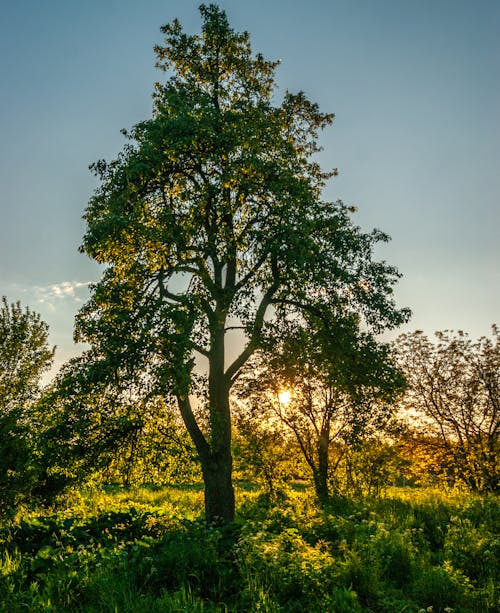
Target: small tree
369, 467
264, 452
327, 387
211, 219
24, 356
91, 429
454, 389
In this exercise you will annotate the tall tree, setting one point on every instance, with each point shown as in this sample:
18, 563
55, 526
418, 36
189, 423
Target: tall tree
454, 387
24, 356
211, 219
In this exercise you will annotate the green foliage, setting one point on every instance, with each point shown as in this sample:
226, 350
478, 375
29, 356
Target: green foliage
454, 388
475, 551
211, 219
341, 383
265, 454
148, 550
367, 468
97, 432
24, 356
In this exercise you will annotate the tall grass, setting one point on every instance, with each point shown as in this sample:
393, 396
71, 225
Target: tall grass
148, 550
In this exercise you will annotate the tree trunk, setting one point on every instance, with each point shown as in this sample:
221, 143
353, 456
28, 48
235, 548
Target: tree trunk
320, 487
217, 466
219, 492
321, 473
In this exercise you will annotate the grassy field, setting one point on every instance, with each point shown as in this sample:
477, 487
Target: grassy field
147, 550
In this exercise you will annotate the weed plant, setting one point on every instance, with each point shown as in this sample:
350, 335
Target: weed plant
148, 550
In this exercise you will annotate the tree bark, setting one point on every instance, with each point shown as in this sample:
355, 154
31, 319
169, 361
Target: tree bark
219, 492
218, 464
321, 473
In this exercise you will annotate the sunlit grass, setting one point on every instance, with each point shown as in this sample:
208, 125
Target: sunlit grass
146, 549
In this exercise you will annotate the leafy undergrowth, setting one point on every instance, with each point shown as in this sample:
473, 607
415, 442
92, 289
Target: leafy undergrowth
148, 550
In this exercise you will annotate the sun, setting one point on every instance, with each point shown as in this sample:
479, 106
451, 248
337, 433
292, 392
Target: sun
284, 397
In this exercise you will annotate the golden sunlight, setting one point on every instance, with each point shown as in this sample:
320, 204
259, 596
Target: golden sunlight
284, 397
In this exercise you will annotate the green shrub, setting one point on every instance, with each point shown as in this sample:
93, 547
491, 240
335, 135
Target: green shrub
290, 570
361, 574
441, 589
396, 557
434, 520
475, 552
147, 550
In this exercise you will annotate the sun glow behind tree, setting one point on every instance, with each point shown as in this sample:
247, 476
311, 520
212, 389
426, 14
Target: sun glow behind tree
284, 397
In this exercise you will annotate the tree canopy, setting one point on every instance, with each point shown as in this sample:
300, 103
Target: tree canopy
454, 388
24, 356
332, 386
210, 220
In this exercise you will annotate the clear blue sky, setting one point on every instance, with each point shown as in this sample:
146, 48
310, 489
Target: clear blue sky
415, 87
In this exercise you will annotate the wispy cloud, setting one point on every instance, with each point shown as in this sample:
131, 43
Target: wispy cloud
67, 290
